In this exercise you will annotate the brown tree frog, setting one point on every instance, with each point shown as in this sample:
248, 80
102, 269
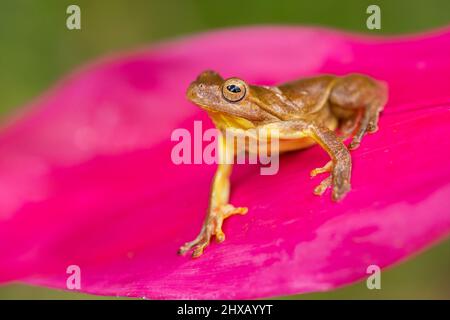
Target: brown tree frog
325, 110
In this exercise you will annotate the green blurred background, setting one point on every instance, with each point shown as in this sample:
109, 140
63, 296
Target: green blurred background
36, 49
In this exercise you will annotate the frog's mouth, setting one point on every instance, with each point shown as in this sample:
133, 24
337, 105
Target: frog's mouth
214, 111
192, 97
205, 107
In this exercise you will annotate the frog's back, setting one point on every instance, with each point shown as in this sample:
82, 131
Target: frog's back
310, 95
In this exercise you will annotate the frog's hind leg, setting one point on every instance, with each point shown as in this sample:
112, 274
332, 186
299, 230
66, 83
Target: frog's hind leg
349, 125
357, 101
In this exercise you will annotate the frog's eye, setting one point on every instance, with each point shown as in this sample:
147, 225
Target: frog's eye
234, 90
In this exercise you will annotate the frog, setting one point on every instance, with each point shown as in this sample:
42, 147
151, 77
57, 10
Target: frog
324, 110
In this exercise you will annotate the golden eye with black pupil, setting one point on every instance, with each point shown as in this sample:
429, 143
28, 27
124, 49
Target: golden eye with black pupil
233, 90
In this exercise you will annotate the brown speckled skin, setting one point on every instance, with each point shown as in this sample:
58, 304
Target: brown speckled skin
324, 109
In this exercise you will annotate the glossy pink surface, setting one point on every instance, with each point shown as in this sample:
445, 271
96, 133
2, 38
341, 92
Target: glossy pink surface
86, 176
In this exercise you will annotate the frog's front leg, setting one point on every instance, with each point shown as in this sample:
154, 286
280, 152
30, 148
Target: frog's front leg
340, 166
219, 209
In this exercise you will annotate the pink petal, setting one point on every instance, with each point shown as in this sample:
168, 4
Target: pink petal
86, 176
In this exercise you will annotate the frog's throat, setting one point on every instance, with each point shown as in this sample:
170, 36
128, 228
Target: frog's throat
224, 121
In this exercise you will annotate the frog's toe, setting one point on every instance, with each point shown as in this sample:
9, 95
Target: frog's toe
339, 190
356, 141
197, 245
199, 248
326, 168
222, 213
323, 186
212, 227
373, 123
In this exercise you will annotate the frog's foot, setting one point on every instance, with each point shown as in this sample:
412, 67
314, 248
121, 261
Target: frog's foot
211, 227
338, 179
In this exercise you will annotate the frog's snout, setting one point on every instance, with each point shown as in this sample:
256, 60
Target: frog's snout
205, 88
196, 90
192, 91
